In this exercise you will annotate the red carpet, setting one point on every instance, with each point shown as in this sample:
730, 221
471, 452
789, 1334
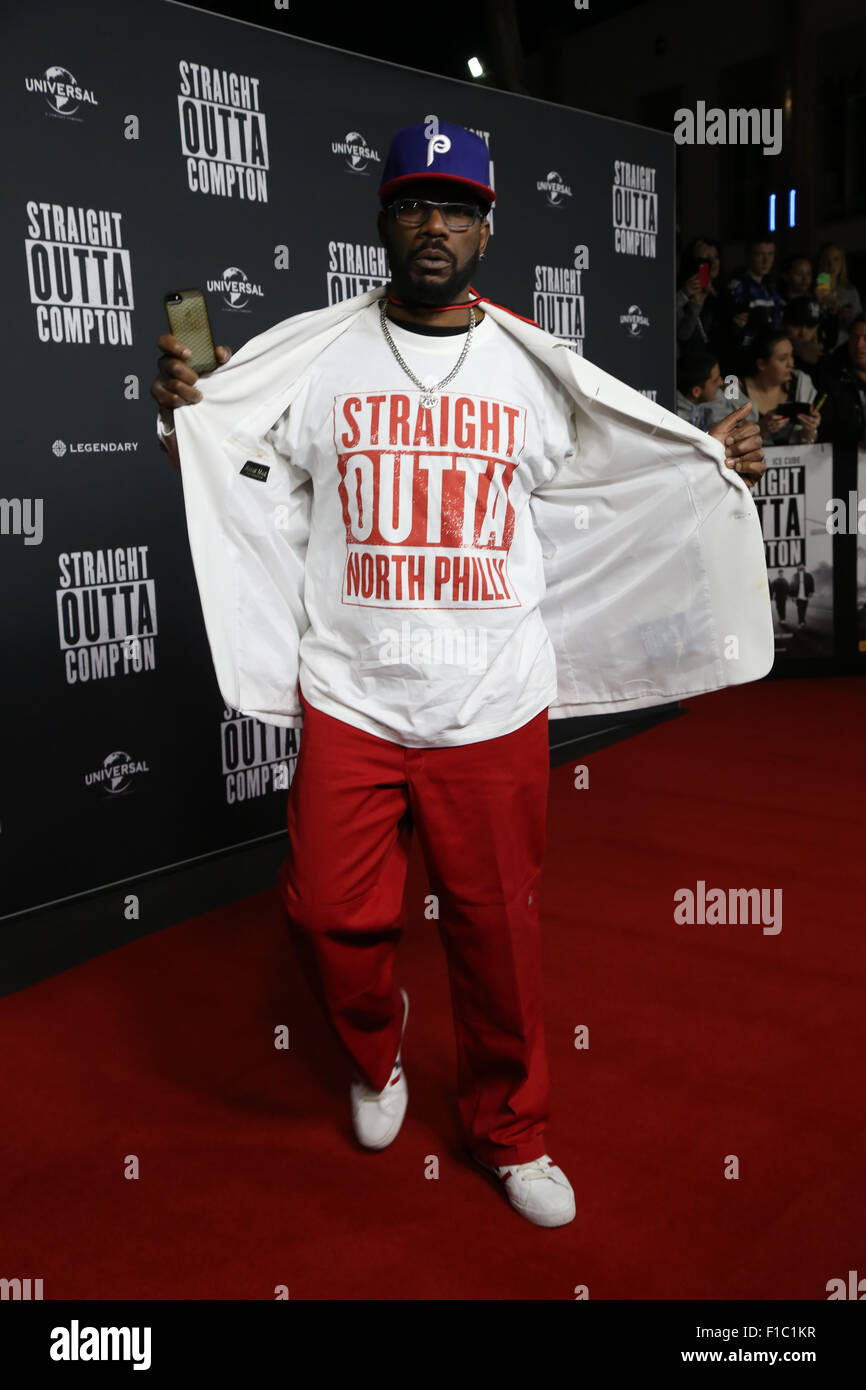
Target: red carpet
705, 1041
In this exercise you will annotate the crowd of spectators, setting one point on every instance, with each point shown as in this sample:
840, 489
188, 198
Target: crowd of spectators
793, 345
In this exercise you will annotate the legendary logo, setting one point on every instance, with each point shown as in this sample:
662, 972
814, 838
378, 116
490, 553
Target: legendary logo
95, 446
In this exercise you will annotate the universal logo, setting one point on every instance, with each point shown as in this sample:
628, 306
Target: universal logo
95, 446
634, 321
235, 288
554, 189
116, 774
358, 154
61, 91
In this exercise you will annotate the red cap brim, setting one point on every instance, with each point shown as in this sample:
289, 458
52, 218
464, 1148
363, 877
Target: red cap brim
480, 189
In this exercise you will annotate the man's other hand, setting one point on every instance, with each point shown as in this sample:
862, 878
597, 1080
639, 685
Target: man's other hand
742, 441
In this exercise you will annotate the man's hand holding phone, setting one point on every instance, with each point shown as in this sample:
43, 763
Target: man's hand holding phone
175, 383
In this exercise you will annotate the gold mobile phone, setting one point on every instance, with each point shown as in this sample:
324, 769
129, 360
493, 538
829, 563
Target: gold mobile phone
188, 320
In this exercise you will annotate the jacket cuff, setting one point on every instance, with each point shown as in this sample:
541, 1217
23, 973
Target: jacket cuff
164, 423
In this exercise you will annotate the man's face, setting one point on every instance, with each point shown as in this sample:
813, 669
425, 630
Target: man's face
761, 258
801, 333
431, 264
710, 388
857, 346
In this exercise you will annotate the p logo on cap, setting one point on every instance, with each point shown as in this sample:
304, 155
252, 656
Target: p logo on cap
437, 144
435, 149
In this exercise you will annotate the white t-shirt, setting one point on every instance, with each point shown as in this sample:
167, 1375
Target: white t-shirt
424, 573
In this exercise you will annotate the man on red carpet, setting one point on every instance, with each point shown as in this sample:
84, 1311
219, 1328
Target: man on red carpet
426, 670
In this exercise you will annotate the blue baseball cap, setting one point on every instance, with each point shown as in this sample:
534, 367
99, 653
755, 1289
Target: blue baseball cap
436, 149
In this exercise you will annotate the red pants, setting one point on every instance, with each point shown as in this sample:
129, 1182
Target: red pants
480, 811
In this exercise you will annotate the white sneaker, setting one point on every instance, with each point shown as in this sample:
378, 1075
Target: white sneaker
539, 1190
378, 1115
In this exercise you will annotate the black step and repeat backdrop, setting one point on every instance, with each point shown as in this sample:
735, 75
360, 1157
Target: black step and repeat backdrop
151, 147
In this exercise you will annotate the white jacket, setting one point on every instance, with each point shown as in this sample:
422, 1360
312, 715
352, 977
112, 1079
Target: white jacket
653, 553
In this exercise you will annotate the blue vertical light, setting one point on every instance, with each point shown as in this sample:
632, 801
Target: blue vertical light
792, 207
772, 212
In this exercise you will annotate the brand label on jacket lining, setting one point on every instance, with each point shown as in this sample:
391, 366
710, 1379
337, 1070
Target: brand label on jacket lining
259, 471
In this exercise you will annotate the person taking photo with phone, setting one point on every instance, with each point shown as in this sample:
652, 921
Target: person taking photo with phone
697, 300
781, 394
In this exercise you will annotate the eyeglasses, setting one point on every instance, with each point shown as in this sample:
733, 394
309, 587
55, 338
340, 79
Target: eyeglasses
413, 212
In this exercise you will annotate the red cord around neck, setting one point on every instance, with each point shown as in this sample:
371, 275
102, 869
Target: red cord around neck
442, 308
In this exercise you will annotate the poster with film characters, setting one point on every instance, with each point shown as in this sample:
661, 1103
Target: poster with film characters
791, 499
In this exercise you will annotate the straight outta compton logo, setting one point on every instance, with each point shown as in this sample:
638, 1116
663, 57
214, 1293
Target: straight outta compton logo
256, 758
354, 268
106, 613
558, 299
635, 207
428, 499
223, 133
79, 274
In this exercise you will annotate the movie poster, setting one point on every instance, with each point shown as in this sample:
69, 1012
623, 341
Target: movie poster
792, 502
